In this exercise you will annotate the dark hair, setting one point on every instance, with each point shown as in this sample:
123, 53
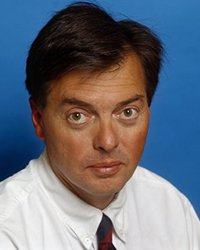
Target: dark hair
84, 37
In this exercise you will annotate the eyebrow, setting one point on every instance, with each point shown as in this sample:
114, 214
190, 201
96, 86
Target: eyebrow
130, 100
75, 101
78, 102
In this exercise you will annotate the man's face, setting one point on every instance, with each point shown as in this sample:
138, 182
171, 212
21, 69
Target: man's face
95, 129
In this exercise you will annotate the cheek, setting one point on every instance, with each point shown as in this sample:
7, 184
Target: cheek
134, 144
68, 147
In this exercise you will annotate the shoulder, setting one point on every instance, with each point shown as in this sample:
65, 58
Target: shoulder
15, 190
154, 202
146, 177
155, 188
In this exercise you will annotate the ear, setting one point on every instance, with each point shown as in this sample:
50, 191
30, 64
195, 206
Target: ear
37, 119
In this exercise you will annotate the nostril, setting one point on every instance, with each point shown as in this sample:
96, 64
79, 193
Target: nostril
106, 137
106, 144
106, 150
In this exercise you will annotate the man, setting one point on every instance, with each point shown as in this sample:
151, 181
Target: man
91, 80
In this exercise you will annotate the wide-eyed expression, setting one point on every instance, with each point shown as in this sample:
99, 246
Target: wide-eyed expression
95, 127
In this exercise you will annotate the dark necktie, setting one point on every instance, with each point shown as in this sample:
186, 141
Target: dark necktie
104, 234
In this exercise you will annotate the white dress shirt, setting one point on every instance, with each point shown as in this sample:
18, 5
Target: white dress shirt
38, 213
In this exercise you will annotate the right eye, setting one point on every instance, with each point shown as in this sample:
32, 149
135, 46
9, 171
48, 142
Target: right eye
78, 118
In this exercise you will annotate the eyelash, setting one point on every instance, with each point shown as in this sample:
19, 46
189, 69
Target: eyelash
85, 116
130, 118
78, 121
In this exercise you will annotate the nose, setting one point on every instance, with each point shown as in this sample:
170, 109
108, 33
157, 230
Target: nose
106, 138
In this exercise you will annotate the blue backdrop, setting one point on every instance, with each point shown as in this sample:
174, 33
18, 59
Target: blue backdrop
173, 145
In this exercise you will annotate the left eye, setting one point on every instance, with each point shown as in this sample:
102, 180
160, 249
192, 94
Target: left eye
128, 114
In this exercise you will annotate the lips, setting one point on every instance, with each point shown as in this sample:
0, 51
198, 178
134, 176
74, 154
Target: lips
106, 169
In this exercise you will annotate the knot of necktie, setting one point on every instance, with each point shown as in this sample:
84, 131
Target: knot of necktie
104, 234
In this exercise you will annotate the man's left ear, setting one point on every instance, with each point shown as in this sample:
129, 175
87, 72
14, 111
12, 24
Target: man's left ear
37, 119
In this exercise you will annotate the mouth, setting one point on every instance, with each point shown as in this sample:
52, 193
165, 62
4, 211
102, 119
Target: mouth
106, 169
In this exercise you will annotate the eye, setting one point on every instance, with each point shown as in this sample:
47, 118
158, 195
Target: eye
78, 118
128, 114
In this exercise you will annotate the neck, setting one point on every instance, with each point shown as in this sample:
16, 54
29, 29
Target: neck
98, 201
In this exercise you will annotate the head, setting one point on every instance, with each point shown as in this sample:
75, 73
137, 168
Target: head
84, 37
91, 80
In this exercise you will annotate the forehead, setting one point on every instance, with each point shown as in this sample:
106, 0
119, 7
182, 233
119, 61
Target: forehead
127, 77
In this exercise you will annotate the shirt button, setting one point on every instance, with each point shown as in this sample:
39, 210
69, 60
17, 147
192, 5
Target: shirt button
87, 241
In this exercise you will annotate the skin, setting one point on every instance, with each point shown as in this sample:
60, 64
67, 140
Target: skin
95, 128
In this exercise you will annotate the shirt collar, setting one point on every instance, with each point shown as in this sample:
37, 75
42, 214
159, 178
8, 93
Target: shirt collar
81, 217
115, 211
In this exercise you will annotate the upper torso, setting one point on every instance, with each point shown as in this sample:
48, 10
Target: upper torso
37, 212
